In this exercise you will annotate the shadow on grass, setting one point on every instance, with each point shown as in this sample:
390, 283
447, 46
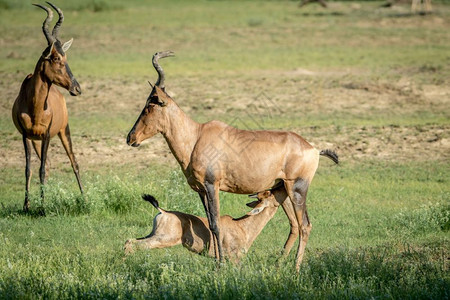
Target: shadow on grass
13, 211
322, 14
70, 206
407, 14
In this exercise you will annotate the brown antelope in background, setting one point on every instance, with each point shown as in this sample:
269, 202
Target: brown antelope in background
424, 6
39, 112
171, 228
217, 157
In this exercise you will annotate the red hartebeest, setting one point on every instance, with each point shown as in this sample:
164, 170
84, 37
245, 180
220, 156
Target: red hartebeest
39, 112
172, 228
215, 156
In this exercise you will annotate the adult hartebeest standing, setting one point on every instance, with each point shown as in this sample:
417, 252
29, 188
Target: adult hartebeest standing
215, 156
39, 112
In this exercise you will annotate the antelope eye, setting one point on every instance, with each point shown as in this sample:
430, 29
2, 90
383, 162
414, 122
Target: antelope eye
154, 99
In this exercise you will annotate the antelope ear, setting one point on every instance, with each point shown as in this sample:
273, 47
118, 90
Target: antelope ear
253, 204
254, 196
267, 194
162, 96
48, 54
67, 45
256, 210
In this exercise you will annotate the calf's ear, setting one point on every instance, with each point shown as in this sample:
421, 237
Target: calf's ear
256, 210
253, 203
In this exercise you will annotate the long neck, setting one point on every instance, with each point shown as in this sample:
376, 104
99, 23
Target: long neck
253, 225
181, 134
37, 92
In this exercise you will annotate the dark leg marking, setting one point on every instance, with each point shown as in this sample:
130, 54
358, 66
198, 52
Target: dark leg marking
44, 150
214, 209
27, 146
301, 188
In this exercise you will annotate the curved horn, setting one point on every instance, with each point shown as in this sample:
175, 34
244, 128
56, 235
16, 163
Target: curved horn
160, 82
50, 38
60, 20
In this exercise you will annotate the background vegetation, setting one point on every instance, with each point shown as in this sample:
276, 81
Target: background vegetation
370, 82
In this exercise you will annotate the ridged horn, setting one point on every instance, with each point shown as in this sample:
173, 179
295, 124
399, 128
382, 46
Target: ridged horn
160, 82
60, 20
50, 38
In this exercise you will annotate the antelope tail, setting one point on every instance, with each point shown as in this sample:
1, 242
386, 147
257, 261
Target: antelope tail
152, 200
330, 154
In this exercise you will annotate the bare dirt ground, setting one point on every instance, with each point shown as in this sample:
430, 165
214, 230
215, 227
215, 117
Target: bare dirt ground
295, 93
399, 117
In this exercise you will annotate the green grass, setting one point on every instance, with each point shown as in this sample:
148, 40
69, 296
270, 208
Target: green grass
379, 231
349, 74
220, 26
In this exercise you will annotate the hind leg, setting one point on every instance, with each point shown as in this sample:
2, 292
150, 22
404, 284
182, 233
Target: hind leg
428, 7
282, 197
64, 136
297, 191
150, 242
294, 230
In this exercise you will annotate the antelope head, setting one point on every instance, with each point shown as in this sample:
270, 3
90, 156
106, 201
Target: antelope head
53, 62
265, 199
152, 118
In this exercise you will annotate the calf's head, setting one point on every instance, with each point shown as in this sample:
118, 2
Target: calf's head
265, 199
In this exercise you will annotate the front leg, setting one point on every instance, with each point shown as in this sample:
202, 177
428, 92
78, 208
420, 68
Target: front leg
37, 145
27, 146
44, 150
213, 213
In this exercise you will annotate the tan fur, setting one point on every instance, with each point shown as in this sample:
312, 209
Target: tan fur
241, 161
171, 228
217, 157
39, 111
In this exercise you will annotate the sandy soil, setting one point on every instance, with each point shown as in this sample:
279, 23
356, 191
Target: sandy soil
298, 93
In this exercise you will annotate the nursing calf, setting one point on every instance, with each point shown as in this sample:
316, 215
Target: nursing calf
172, 228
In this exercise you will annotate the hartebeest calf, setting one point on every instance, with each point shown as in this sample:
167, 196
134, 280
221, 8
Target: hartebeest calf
171, 228
39, 112
217, 157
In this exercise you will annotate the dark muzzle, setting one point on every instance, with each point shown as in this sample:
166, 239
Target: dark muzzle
131, 139
75, 89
